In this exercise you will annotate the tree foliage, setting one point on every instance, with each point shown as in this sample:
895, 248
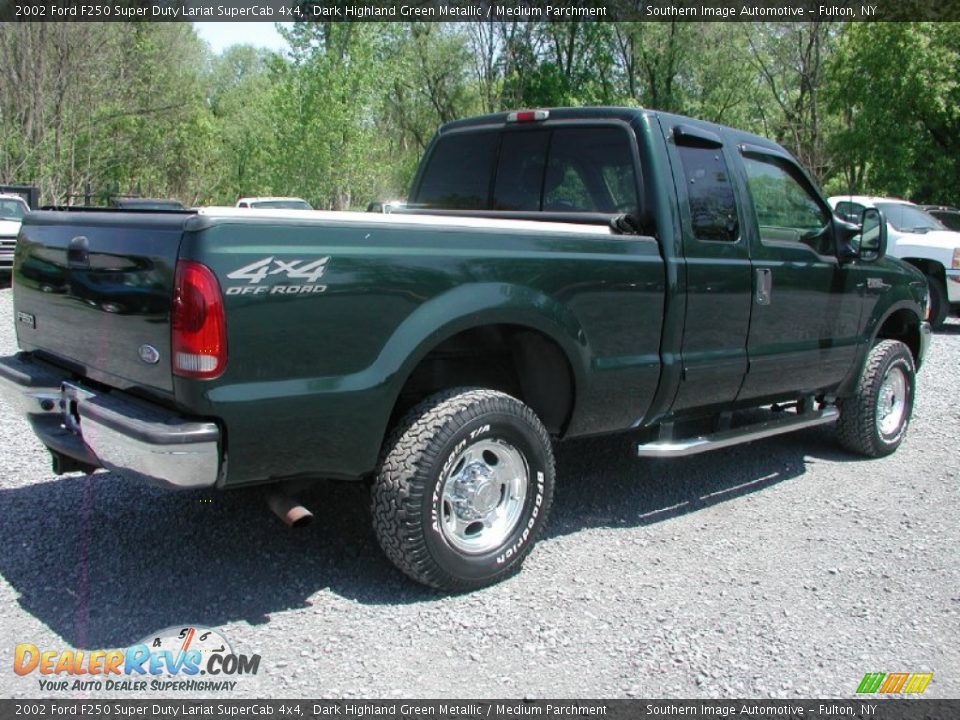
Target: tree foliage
344, 116
895, 88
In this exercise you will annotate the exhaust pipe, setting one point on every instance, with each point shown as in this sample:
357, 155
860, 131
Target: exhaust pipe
289, 510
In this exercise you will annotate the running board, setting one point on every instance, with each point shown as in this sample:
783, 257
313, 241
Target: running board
726, 438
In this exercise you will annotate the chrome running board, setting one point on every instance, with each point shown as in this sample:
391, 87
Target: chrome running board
748, 433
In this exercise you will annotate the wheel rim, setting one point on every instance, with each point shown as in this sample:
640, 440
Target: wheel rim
892, 401
483, 496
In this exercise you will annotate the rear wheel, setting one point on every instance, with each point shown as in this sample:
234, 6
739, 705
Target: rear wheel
874, 421
463, 489
939, 305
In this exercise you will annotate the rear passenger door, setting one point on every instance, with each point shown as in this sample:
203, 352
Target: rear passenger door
806, 305
718, 273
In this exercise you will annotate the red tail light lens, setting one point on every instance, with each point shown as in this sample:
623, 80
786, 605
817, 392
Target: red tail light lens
522, 116
199, 335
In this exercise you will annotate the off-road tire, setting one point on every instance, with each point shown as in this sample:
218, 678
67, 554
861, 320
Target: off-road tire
406, 494
857, 427
939, 304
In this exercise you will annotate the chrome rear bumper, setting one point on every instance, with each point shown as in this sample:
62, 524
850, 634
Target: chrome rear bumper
136, 439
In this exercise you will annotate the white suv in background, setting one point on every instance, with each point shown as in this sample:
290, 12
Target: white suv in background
918, 238
273, 203
12, 210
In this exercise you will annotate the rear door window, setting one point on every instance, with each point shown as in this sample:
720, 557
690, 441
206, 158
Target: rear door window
713, 208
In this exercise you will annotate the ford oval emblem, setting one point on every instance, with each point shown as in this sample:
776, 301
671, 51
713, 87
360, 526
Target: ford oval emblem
149, 354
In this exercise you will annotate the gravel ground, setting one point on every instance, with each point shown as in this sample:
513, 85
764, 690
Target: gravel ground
783, 568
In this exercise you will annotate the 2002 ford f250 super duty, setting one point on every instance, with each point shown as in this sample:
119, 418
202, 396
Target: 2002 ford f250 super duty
556, 273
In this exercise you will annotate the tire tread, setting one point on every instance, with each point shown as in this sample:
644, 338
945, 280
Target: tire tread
409, 455
856, 428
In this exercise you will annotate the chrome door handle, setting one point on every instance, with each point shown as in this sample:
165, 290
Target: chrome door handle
764, 286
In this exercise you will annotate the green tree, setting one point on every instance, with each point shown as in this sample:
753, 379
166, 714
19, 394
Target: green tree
239, 97
894, 87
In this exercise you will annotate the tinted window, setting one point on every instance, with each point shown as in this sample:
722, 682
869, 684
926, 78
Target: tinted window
565, 170
519, 181
909, 218
457, 176
590, 170
713, 210
948, 217
787, 211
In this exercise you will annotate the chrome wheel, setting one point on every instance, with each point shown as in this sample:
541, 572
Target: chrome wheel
892, 402
483, 495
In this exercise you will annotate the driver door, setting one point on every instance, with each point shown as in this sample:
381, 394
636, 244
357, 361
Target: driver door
806, 306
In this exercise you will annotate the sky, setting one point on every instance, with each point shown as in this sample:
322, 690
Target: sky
223, 35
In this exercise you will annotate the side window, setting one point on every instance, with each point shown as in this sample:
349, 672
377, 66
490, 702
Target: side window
786, 210
519, 180
590, 170
458, 174
713, 209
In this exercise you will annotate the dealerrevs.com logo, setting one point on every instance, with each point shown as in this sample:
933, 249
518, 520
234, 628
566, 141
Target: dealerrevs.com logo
894, 683
186, 659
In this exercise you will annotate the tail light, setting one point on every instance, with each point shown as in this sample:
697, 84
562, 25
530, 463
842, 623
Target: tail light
523, 116
199, 328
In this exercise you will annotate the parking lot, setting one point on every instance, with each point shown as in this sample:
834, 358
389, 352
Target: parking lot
783, 568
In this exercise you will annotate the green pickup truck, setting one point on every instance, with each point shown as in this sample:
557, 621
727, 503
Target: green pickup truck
554, 274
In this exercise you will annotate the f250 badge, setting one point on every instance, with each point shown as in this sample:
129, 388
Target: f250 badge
307, 271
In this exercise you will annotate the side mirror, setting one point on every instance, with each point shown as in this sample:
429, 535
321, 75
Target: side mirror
866, 241
873, 235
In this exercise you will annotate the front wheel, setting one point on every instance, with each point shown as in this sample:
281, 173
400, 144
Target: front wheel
874, 421
463, 489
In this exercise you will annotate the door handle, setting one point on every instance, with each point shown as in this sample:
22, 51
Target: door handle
764, 286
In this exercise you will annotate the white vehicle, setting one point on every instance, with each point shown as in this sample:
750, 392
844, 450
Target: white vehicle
274, 203
12, 210
918, 238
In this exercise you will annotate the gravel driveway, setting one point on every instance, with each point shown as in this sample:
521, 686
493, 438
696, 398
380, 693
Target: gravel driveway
783, 568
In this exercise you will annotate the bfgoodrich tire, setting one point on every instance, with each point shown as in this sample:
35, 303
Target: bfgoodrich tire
874, 421
463, 489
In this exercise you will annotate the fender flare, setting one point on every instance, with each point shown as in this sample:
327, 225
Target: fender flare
873, 328
477, 305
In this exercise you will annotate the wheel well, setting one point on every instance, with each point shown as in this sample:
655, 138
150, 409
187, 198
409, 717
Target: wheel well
928, 267
516, 360
903, 325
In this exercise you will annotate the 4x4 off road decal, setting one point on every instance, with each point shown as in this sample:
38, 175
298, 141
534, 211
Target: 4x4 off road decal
307, 271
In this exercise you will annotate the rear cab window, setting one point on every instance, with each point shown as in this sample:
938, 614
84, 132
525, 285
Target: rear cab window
459, 171
562, 169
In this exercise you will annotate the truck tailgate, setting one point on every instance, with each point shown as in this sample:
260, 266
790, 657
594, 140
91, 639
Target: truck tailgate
94, 290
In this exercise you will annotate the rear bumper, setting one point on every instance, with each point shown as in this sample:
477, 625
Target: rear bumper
136, 439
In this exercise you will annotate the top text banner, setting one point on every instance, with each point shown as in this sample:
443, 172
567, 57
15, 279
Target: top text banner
477, 10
